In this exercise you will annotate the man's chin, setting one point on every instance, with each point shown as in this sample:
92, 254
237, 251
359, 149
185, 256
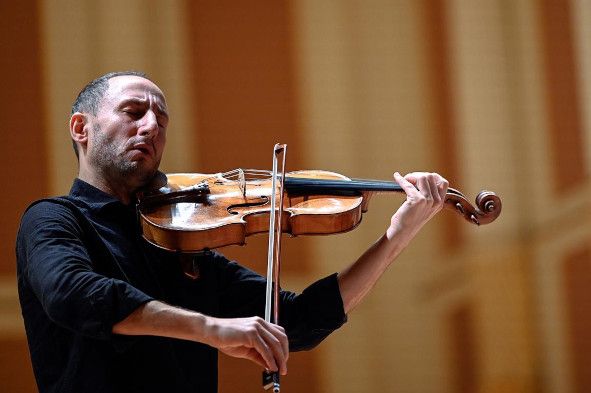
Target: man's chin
145, 175
139, 173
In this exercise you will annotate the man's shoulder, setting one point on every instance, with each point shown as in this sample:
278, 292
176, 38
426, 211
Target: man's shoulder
60, 209
52, 205
46, 220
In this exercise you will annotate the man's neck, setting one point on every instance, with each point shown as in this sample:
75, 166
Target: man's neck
119, 190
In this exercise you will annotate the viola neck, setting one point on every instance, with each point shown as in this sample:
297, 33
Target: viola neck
297, 185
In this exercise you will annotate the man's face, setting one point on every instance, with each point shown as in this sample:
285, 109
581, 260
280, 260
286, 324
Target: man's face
129, 131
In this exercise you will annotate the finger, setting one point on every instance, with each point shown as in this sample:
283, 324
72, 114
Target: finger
276, 340
425, 188
245, 353
433, 179
442, 187
265, 352
279, 332
405, 184
256, 357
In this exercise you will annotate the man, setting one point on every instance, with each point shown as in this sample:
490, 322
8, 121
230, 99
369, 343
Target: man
106, 312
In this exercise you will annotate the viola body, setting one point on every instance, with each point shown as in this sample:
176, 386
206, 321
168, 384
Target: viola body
193, 212
227, 214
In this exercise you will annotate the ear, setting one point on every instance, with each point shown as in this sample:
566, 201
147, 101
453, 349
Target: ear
79, 128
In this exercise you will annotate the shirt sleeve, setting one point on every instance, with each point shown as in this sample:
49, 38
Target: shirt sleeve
314, 314
308, 318
56, 265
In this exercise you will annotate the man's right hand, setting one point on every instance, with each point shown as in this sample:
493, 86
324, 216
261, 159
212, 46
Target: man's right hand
250, 338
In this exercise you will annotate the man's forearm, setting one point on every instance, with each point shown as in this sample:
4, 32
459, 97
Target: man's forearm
251, 338
360, 277
425, 195
156, 318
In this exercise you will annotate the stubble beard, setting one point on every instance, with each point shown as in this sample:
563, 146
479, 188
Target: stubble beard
111, 162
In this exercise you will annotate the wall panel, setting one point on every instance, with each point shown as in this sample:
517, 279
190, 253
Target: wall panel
577, 276
23, 170
562, 96
243, 88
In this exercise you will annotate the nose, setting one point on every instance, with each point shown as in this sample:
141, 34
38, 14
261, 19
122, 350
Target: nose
149, 126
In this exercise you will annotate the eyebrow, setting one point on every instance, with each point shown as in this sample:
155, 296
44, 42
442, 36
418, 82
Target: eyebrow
138, 101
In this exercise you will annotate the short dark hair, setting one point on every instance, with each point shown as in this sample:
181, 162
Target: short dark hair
90, 96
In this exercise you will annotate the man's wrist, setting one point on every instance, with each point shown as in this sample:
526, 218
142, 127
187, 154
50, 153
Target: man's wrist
201, 327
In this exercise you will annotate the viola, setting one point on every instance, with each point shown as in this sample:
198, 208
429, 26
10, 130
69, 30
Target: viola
190, 212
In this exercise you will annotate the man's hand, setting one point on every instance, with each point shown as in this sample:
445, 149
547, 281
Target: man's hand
425, 195
250, 338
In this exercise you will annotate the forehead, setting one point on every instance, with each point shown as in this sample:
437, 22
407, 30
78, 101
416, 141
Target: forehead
131, 86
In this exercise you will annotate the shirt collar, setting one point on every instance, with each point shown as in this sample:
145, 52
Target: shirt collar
94, 198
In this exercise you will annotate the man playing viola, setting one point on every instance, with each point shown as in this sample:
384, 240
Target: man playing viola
105, 311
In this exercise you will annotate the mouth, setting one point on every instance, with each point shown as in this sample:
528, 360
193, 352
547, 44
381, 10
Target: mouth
143, 148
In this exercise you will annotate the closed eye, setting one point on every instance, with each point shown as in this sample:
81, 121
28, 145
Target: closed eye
134, 114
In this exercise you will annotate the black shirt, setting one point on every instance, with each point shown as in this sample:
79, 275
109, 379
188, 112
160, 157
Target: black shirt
82, 266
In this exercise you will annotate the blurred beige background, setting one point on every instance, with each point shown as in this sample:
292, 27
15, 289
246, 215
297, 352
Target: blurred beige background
491, 93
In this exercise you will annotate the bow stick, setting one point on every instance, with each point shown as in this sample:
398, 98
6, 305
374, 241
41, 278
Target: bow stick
271, 379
